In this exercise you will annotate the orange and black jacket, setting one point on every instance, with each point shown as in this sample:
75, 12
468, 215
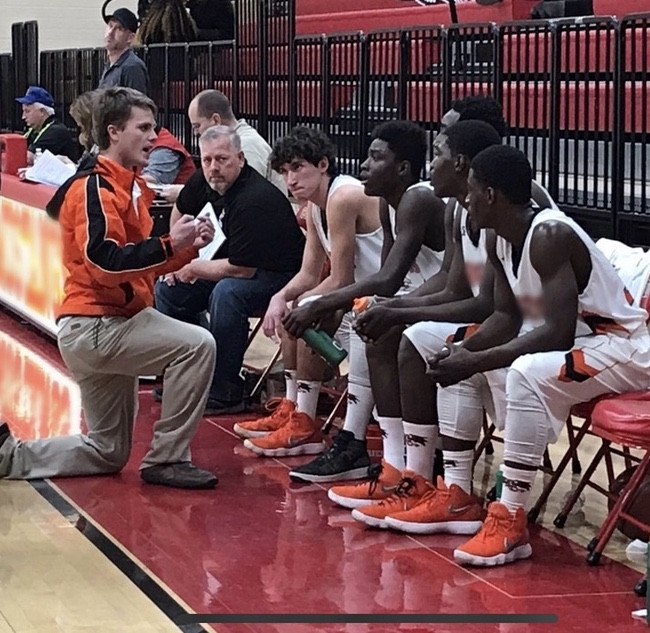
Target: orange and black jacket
110, 259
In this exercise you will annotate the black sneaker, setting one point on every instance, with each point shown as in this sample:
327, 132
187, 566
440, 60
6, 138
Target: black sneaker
347, 458
217, 407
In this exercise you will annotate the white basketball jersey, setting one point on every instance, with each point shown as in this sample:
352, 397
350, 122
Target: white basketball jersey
367, 246
427, 262
605, 305
474, 255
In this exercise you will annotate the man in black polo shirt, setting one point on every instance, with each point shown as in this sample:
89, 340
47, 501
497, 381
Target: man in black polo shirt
261, 253
43, 130
125, 68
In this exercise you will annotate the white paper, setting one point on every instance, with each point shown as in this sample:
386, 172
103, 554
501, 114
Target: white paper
210, 250
49, 170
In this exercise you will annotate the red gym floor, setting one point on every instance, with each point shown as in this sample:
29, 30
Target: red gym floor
259, 544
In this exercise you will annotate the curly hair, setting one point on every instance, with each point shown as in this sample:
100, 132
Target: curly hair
506, 169
304, 143
482, 108
407, 140
471, 137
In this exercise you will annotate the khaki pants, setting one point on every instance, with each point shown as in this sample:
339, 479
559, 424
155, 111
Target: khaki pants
106, 355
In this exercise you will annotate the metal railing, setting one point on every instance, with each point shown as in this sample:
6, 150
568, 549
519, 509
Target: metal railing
575, 93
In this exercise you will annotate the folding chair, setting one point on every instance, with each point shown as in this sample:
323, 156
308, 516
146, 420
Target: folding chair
266, 370
626, 422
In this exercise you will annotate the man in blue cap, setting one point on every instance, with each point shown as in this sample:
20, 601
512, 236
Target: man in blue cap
43, 130
125, 68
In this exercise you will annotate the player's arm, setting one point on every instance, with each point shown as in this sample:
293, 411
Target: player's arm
414, 216
552, 247
311, 269
451, 283
341, 224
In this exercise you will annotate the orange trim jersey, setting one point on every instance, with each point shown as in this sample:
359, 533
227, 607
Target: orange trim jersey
110, 259
604, 306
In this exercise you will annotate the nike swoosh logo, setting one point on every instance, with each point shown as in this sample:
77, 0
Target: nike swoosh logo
510, 545
454, 510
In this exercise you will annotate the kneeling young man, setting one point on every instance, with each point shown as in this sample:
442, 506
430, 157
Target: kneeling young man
343, 227
109, 333
581, 337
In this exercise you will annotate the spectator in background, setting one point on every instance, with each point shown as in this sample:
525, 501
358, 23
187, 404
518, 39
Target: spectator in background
215, 19
43, 130
262, 251
125, 67
212, 107
169, 161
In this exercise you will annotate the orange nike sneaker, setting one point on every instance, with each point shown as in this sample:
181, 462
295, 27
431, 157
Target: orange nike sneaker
383, 480
408, 493
502, 539
300, 435
263, 426
442, 509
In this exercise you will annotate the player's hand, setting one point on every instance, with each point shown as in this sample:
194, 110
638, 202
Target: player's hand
275, 313
452, 364
374, 322
299, 319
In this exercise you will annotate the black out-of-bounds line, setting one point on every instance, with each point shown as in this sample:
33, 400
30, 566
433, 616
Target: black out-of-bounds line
138, 576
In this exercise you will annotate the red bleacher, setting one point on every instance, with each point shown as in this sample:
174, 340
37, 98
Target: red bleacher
338, 16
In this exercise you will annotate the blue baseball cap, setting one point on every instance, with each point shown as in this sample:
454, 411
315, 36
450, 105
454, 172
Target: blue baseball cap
36, 94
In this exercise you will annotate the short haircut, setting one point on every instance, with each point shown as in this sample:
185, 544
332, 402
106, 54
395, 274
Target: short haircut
209, 102
407, 140
81, 111
482, 108
471, 137
113, 107
307, 144
221, 131
506, 169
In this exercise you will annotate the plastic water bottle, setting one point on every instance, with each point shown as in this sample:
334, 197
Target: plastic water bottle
325, 346
38, 154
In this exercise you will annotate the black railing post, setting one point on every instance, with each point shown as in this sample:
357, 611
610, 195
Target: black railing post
554, 131
263, 68
402, 80
618, 148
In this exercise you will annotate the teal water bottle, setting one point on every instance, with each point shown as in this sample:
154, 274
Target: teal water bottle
325, 346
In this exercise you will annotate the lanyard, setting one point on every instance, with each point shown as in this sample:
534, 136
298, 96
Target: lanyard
42, 130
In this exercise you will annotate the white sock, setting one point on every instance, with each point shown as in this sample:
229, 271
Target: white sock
420, 440
291, 385
458, 468
308, 391
357, 415
392, 433
517, 485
